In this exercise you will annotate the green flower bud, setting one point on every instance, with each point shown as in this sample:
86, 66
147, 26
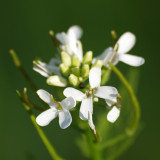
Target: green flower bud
114, 35
66, 59
76, 71
87, 59
73, 80
85, 70
80, 79
56, 81
75, 61
64, 69
98, 63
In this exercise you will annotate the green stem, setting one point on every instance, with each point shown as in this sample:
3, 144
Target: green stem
113, 141
95, 153
29, 102
42, 135
105, 76
132, 129
56, 42
21, 69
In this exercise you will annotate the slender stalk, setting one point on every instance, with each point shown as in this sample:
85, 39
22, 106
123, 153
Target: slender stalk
113, 141
56, 42
105, 76
95, 152
30, 103
131, 130
21, 69
42, 135
114, 36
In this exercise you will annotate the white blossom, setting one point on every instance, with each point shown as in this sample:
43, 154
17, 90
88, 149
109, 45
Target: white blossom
70, 41
106, 92
119, 53
61, 111
45, 69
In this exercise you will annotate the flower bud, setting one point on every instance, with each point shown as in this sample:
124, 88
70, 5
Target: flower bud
73, 80
56, 81
114, 35
87, 59
75, 61
85, 70
66, 59
64, 69
76, 71
98, 63
96, 99
80, 79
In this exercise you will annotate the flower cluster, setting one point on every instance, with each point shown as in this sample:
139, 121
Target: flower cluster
82, 76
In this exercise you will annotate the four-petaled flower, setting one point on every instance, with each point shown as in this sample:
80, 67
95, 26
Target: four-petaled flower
45, 69
70, 41
106, 92
60, 109
119, 53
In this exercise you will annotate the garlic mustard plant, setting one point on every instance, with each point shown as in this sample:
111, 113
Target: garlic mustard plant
85, 82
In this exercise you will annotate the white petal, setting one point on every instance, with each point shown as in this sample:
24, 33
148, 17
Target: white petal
46, 117
131, 60
53, 66
54, 62
65, 119
46, 97
41, 72
74, 93
107, 92
54, 70
125, 42
86, 106
110, 102
68, 103
76, 31
95, 77
62, 37
41, 68
90, 122
105, 54
109, 57
113, 114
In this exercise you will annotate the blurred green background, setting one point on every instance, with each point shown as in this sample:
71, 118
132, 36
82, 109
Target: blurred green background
24, 27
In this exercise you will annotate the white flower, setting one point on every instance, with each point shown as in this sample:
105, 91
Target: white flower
47, 70
106, 92
119, 53
113, 114
70, 41
62, 111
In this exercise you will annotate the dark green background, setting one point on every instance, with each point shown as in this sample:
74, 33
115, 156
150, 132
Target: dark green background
24, 26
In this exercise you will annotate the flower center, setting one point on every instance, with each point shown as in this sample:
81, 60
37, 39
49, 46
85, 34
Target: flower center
91, 92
